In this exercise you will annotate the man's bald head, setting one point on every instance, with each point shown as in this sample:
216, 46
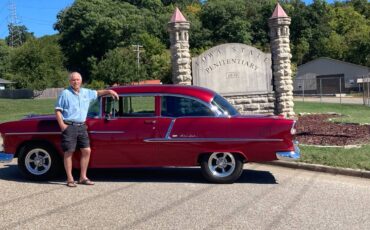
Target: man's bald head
75, 80
75, 74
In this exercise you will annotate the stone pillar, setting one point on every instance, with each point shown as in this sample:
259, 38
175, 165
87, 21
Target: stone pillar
178, 28
281, 55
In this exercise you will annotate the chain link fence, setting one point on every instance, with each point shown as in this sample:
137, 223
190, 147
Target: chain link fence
333, 89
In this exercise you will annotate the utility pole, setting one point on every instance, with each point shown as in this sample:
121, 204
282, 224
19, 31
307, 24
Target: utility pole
138, 51
14, 32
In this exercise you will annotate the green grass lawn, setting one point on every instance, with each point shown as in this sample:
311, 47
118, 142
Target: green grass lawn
352, 113
357, 158
16, 109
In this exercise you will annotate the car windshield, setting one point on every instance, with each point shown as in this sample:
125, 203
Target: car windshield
224, 106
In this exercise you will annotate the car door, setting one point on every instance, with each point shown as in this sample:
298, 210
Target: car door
118, 136
183, 129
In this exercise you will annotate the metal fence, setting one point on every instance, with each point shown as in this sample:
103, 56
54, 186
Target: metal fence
28, 93
333, 89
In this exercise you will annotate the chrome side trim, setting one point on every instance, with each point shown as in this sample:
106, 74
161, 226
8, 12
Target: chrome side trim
34, 133
191, 139
106, 132
168, 133
57, 133
6, 157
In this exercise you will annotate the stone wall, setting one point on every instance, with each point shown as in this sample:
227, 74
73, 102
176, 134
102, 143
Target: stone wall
251, 104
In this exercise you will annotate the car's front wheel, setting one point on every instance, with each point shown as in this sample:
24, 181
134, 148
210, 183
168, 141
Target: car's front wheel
222, 167
39, 162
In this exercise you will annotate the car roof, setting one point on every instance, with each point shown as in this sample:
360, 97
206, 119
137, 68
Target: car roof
201, 93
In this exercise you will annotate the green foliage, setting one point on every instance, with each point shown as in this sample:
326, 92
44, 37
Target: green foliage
227, 21
89, 29
117, 67
18, 35
155, 59
96, 84
37, 64
4, 60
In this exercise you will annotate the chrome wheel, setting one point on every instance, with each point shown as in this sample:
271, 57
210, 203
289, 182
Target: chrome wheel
37, 161
221, 164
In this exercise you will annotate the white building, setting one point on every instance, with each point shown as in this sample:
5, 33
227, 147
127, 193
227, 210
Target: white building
4, 82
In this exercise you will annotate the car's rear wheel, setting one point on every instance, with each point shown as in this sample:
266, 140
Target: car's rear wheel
39, 162
222, 167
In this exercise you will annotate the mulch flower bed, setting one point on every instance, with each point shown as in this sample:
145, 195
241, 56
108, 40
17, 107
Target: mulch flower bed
315, 129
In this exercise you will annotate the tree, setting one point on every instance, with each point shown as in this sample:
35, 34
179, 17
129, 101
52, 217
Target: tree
89, 29
5, 51
17, 35
155, 60
351, 31
258, 12
227, 21
118, 66
361, 6
38, 64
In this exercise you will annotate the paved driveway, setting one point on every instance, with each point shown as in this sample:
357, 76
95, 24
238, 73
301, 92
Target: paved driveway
265, 197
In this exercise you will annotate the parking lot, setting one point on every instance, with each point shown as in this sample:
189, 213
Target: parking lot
265, 197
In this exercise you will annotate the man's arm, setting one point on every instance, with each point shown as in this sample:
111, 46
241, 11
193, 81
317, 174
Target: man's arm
108, 92
58, 114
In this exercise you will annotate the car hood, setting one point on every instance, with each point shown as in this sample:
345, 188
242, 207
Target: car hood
39, 117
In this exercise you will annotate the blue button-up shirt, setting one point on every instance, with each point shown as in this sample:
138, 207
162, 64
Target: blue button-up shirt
74, 106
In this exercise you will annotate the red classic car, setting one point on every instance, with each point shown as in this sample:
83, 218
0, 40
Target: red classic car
156, 126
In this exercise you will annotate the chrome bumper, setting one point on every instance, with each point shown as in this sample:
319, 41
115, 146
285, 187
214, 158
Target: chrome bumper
6, 157
290, 155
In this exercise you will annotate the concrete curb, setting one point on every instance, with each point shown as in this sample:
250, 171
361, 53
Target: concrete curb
321, 168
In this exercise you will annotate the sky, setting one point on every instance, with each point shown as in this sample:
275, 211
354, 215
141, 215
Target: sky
38, 15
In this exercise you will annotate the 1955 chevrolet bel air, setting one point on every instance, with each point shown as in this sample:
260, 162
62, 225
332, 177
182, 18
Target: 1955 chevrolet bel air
156, 126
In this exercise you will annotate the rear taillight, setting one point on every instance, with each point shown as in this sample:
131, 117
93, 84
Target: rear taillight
1, 143
293, 131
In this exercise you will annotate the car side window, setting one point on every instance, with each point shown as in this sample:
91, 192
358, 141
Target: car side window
173, 106
131, 106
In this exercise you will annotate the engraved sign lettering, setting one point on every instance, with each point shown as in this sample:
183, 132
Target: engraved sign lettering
234, 75
233, 69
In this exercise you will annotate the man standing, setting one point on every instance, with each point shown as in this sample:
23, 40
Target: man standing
71, 110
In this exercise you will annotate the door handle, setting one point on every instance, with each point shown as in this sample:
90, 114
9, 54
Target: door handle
150, 121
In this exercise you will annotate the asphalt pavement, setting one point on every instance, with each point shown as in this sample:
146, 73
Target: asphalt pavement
265, 197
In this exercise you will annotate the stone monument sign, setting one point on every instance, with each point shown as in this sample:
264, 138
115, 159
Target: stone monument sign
233, 69
241, 73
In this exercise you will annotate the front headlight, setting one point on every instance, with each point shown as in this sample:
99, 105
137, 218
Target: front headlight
1, 143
